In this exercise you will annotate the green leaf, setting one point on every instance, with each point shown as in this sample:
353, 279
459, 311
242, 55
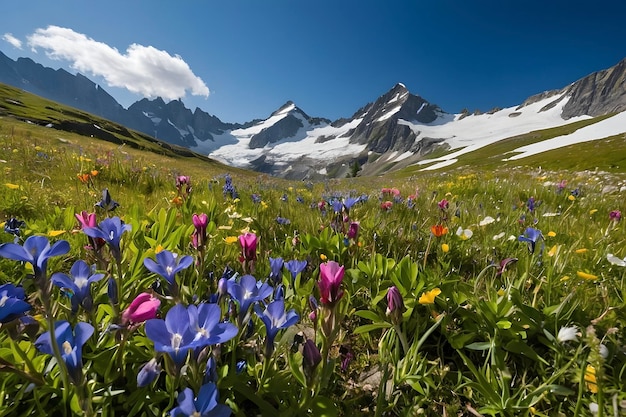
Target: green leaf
369, 327
479, 346
522, 348
324, 407
504, 324
369, 315
295, 365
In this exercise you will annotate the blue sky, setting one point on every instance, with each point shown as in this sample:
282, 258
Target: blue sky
242, 59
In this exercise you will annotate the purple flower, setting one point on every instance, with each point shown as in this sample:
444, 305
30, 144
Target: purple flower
78, 285
530, 204
615, 216
247, 292
167, 265
276, 266
111, 230
13, 225
107, 203
295, 267
70, 343
311, 355
530, 236
148, 373
142, 308
204, 405
12, 304
200, 222
248, 242
275, 318
282, 220
503, 264
395, 304
36, 251
353, 230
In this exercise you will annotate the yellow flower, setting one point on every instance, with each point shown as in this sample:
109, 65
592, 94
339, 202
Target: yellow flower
323, 257
230, 239
551, 233
445, 247
54, 233
429, 296
501, 292
571, 197
590, 379
592, 211
12, 186
581, 250
158, 249
553, 251
585, 275
564, 278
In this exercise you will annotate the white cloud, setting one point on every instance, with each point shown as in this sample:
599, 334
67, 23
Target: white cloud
143, 70
12, 40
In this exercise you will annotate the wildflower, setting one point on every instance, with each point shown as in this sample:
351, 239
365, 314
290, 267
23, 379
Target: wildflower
282, 220
12, 186
204, 405
586, 276
183, 185
386, 205
12, 304
487, 220
78, 284
614, 260
248, 242
311, 356
148, 373
275, 318
111, 230
331, 276
200, 222
445, 247
395, 304
428, 297
551, 233
256, 199
143, 307
353, 231
12, 226
615, 216
464, 234
107, 203
295, 267
590, 379
567, 334
36, 251
443, 204
571, 197
530, 236
71, 343
276, 266
168, 264
439, 230
172, 335
247, 292
205, 323
503, 264
581, 251
530, 204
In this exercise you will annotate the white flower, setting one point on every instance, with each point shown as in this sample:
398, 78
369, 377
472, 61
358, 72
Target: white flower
604, 351
498, 236
615, 260
464, 234
567, 334
594, 408
487, 220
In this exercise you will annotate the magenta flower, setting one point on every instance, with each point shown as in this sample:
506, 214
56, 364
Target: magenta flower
353, 231
248, 242
86, 219
394, 300
143, 307
615, 216
443, 204
200, 222
331, 276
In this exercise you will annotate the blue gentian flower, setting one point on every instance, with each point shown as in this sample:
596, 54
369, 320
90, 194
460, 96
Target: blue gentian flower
282, 220
111, 230
36, 251
337, 206
205, 324
204, 405
350, 201
256, 199
107, 203
295, 267
210, 373
530, 236
275, 318
276, 266
70, 343
247, 292
13, 225
12, 304
173, 335
168, 264
79, 284
148, 373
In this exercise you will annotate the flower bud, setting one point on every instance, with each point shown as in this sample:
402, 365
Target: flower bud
142, 308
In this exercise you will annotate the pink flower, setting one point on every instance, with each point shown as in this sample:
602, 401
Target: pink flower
142, 308
353, 231
615, 216
443, 204
331, 276
386, 205
200, 222
86, 219
248, 242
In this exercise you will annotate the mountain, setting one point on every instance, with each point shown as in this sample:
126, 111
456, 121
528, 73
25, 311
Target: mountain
396, 130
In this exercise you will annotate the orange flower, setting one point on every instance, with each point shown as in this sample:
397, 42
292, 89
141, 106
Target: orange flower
94, 172
590, 379
439, 230
84, 178
177, 201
